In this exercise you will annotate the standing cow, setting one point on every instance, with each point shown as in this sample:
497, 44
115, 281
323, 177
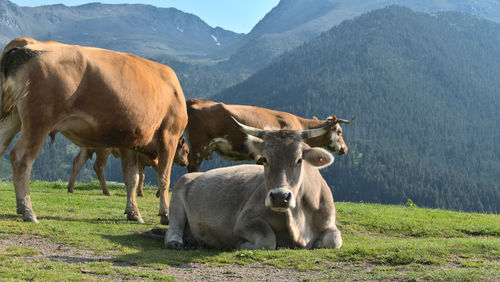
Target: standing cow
94, 97
283, 203
102, 156
210, 128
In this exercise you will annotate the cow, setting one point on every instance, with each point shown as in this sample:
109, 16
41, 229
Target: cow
210, 129
96, 98
102, 155
283, 203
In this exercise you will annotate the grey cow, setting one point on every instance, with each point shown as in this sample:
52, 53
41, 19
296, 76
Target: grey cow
283, 203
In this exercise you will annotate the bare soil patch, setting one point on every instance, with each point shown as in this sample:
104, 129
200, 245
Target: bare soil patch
189, 272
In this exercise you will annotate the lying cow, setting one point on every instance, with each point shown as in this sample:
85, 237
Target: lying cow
210, 128
94, 97
102, 155
283, 203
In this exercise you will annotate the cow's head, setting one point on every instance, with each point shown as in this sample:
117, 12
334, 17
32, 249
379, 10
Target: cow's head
333, 139
285, 158
182, 152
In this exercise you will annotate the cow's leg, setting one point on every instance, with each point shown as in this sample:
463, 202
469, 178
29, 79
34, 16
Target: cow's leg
9, 127
330, 238
195, 158
165, 159
101, 160
140, 190
255, 233
173, 238
78, 163
128, 159
22, 156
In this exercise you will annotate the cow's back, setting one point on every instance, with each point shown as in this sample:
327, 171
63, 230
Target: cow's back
103, 98
263, 118
207, 117
220, 114
213, 200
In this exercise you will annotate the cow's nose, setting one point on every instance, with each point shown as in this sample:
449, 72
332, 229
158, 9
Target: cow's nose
343, 150
280, 197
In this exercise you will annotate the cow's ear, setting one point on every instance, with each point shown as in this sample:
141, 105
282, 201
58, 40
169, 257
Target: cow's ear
315, 118
255, 146
332, 118
317, 157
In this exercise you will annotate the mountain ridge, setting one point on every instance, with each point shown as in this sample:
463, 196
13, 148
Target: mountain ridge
135, 28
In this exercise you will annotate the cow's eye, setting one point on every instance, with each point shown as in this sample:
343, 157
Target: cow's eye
262, 161
299, 162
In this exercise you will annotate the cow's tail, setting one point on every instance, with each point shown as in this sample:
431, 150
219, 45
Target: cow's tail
13, 86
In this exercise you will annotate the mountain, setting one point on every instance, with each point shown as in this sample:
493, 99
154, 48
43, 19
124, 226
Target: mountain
174, 35
167, 35
293, 22
176, 38
424, 88
141, 29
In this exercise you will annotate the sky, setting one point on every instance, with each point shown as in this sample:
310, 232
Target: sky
235, 15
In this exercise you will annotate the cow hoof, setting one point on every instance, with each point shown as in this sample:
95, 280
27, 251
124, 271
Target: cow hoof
135, 217
173, 245
158, 194
164, 219
30, 217
106, 193
140, 194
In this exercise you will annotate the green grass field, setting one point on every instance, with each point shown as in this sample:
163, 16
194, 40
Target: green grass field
380, 241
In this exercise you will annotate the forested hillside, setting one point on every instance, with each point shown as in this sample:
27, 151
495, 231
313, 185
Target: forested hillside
293, 22
425, 91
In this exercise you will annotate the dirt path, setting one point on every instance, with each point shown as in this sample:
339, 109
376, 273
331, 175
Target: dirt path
188, 272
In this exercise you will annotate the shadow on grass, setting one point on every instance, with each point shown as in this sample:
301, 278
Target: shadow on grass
87, 220
12, 217
112, 187
96, 186
152, 252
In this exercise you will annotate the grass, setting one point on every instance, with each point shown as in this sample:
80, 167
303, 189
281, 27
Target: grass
380, 241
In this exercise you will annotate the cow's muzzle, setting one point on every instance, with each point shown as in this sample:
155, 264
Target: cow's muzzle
342, 150
280, 199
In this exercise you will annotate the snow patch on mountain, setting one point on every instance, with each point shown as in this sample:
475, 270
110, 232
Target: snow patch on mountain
215, 39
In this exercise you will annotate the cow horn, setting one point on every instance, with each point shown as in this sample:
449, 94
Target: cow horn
259, 133
345, 121
311, 133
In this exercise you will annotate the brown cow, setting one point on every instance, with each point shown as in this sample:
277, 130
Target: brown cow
102, 155
210, 128
94, 97
283, 203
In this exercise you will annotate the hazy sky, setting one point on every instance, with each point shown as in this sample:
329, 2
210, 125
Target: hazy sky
235, 15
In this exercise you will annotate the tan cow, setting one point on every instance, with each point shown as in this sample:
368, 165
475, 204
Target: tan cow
94, 97
102, 155
283, 203
210, 128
